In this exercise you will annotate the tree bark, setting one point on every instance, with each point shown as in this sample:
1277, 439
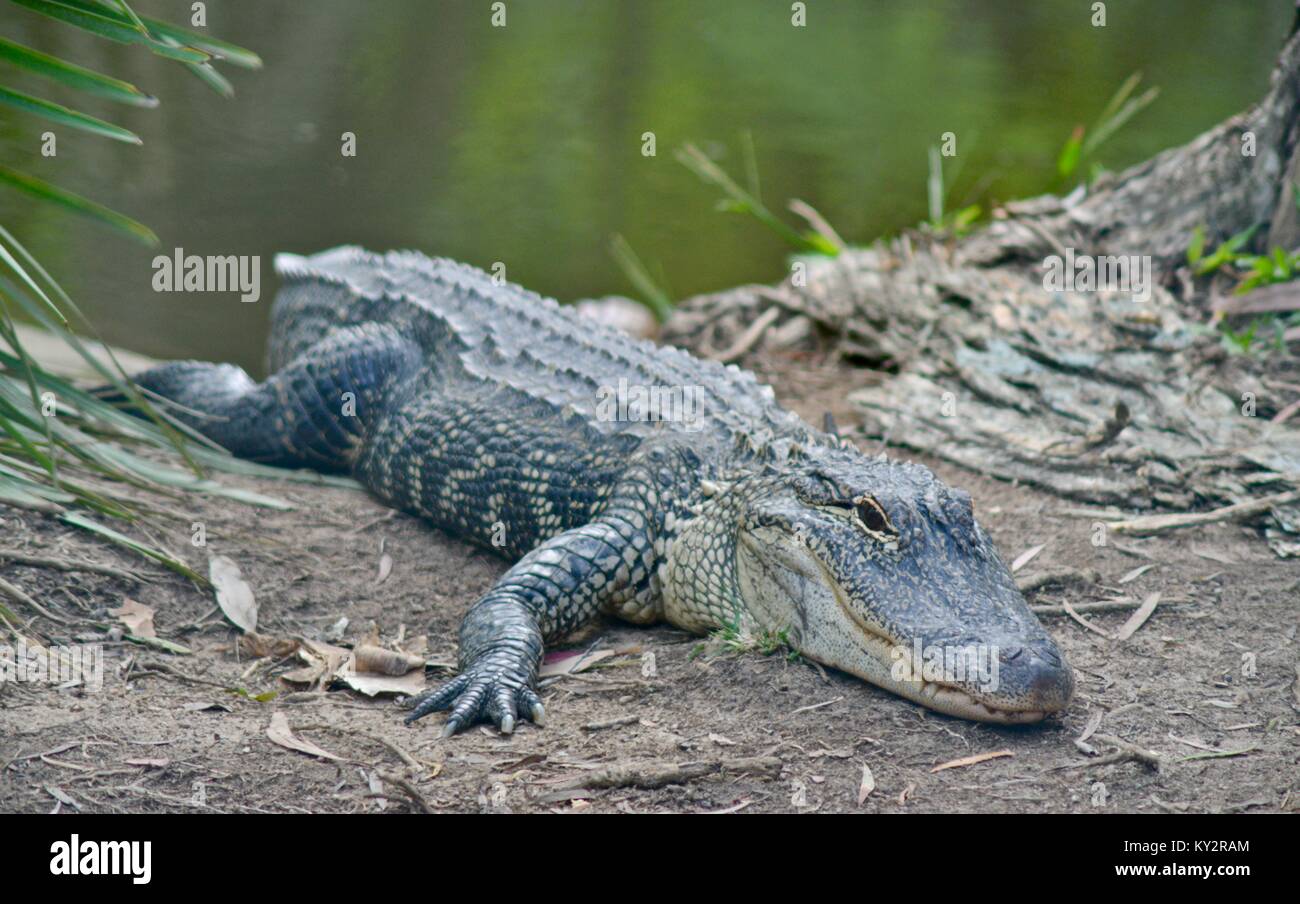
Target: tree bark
1096, 396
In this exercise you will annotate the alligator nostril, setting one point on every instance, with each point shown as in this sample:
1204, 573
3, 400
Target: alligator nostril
1051, 684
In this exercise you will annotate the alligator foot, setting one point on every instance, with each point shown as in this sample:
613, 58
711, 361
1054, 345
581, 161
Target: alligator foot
496, 687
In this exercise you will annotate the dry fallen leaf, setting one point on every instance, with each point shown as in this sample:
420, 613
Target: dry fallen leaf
385, 569
1137, 573
323, 662
1139, 617
378, 661
1214, 555
280, 733
62, 796
261, 645
867, 785
569, 662
371, 684
971, 760
234, 596
1026, 557
371, 670
137, 617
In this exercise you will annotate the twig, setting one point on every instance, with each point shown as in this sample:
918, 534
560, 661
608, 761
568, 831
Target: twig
658, 774
811, 706
21, 558
611, 723
1125, 753
1150, 525
1058, 576
1074, 614
1215, 754
749, 338
409, 790
148, 669
18, 596
1101, 606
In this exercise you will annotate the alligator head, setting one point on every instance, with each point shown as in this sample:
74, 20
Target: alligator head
879, 569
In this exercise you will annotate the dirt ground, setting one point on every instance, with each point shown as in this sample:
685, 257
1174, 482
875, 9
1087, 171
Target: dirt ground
1208, 684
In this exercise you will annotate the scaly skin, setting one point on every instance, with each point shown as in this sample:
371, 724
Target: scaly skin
482, 407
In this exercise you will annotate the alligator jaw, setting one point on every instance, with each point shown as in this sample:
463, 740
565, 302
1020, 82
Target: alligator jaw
936, 695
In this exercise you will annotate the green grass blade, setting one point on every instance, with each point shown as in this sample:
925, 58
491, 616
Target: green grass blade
738, 200
66, 116
652, 293
78, 204
74, 76
1114, 123
934, 186
1118, 99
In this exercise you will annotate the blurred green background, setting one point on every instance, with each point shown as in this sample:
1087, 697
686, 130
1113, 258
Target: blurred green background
523, 144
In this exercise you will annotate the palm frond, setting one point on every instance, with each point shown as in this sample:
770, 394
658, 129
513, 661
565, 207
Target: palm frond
63, 451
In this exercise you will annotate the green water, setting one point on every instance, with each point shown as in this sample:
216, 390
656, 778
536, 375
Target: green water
524, 144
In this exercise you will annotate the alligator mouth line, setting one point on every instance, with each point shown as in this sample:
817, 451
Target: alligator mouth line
937, 695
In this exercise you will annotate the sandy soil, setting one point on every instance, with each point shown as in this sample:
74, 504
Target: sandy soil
1208, 684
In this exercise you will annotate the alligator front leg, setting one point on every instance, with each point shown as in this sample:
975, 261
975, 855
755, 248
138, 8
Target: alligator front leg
550, 592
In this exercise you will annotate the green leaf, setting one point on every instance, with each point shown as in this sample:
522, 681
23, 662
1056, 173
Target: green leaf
114, 26
74, 76
966, 216
27, 494
237, 56
78, 204
21, 272
66, 116
1068, 161
163, 558
1196, 247
159, 644
135, 20
171, 432
212, 78
1226, 253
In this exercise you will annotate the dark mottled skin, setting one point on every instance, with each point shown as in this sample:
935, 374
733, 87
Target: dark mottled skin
475, 405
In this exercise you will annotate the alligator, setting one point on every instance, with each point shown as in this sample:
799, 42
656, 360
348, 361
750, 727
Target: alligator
621, 478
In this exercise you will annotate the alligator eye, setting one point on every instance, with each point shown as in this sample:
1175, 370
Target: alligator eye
872, 516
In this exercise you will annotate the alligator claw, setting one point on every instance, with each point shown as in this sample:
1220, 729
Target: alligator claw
494, 688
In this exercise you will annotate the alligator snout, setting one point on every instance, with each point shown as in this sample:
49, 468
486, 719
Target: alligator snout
1041, 674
